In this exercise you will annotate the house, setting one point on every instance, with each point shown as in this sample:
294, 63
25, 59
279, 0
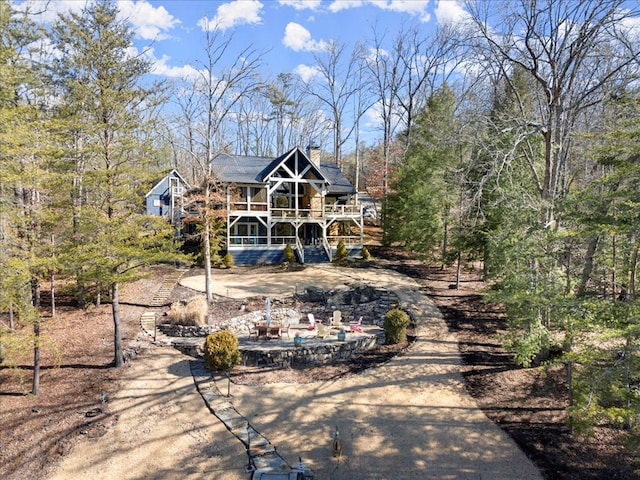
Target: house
291, 200
165, 197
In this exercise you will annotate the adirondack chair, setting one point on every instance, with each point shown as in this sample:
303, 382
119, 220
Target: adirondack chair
356, 326
336, 320
323, 332
312, 322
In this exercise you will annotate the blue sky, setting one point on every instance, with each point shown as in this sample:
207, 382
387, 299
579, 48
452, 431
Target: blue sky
290, 30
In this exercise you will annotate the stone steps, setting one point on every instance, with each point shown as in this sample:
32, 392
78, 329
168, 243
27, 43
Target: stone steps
160, 299
164, 292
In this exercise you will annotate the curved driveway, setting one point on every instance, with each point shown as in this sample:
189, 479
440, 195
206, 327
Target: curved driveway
408, 419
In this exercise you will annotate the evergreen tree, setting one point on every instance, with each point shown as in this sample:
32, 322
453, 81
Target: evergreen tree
425, 191
104, 111
24, 184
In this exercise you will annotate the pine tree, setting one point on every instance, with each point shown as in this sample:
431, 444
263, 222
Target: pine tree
107, 132
424, 189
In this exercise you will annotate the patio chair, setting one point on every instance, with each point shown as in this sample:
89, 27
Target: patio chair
312, 322
336, 320
253, 331
286, 325
356, 326
323, 332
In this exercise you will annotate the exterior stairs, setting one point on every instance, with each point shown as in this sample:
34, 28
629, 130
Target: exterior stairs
315, 254
160, 299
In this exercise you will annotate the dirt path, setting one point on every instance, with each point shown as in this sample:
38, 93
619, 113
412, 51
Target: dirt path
408, 419
160, 429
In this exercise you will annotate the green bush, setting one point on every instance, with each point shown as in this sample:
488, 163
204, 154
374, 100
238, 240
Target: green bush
341, 252
365, 254
221, 350
289, 255
227, 260
396, 322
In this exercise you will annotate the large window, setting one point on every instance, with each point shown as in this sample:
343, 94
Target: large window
251, 198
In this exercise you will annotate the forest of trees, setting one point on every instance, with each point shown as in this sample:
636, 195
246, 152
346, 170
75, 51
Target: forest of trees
507, 139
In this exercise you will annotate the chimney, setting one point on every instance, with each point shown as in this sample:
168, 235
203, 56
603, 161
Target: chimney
313, 152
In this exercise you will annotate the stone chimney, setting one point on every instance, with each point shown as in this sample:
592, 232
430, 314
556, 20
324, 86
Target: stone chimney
313, 152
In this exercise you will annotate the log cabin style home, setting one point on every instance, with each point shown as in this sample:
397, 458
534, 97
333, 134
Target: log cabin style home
294, 199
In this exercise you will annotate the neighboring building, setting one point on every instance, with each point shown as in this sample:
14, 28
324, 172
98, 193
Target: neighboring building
165, 197
294, 200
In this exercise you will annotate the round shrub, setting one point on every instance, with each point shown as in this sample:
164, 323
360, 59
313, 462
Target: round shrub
289, 255
341, 252
227, 260
221, 350
396, 322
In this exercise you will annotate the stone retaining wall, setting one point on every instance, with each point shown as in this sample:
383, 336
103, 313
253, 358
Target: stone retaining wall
371, 304
312, 352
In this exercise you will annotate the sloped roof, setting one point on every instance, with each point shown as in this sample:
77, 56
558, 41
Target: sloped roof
248, 169
173, 173
338, 183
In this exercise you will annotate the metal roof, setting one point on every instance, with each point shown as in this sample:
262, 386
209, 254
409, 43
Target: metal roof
248, 169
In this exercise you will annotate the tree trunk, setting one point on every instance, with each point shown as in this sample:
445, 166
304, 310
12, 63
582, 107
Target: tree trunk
117, 334
458, 269
52, 291
588, 265
35, 298
631, 289
206, 245
35, 389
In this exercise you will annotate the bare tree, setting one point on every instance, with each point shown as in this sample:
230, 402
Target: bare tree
218, 92
387, 76
340, 81
575, 52
427, 63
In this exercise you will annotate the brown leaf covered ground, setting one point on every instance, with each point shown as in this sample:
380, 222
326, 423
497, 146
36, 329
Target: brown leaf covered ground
528, 403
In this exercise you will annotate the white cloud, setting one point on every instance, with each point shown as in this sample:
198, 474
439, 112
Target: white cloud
298, 38
149, 22
47, 11
338, 5
160, 66
410, 7
301, 4
183, 72
237, 12
306, 72
450, 11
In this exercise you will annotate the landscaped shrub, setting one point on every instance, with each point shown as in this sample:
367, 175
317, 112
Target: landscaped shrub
289, 255
192, 313
221, 350
227, 260
365, 254
396, 322
341, 252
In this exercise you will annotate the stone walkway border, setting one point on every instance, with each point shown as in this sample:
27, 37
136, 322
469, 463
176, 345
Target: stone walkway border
262, 455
